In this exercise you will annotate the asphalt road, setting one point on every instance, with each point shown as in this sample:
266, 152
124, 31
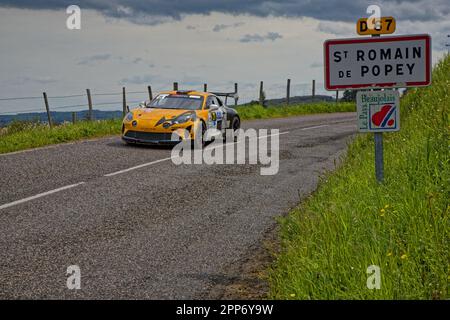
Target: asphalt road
137, 225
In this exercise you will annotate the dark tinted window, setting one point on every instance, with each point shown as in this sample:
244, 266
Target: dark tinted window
175, 101
219, 102
209, 102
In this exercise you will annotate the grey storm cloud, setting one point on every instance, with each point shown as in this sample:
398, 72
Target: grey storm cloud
260, 38
94, 58
159, 11
220, 27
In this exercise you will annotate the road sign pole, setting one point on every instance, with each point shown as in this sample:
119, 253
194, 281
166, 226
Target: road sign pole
379, 165
378, 141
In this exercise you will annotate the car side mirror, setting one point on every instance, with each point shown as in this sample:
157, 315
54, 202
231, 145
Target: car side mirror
213, 107
143, 104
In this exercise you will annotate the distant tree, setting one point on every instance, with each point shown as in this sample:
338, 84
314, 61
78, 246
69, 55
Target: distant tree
349, 96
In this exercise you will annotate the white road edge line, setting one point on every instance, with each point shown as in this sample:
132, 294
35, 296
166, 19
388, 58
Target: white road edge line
7, 205
315, 127
136, 167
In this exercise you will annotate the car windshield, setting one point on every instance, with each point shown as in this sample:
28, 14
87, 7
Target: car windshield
177, 101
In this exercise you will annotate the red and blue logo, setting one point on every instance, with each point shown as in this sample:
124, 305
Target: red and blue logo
383, 117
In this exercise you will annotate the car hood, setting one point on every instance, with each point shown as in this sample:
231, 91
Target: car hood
152, 117
156, 114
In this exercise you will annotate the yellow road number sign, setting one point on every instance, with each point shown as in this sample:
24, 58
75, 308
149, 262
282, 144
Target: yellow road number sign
369, 26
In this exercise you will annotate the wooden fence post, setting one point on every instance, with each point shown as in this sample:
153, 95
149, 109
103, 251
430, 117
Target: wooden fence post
150, 94
74, 117
313, 90
124, 102
261, 93
175, 86
205, 87
48, 110
236, 94
288, 91
88, 91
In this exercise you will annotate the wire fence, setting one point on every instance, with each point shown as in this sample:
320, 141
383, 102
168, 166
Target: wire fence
102, 105
79, 101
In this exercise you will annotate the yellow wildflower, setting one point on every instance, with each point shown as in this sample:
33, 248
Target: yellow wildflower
292, 294
389, 254
404, 256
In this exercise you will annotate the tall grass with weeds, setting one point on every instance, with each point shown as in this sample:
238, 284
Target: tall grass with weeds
402, 225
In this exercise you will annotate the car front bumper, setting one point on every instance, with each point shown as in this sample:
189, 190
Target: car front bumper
154, 138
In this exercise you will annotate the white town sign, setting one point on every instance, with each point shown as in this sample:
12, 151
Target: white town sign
378, 62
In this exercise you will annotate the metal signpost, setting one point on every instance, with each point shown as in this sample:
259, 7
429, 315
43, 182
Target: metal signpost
378, 63
378, 112
378, 136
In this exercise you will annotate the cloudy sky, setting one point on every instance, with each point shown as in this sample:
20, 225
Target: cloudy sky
136, 43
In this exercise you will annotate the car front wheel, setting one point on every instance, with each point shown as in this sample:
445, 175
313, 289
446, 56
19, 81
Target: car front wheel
235, 124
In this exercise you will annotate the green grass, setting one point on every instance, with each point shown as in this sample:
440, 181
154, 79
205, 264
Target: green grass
352, 222
256, 111
26, 135
22, 135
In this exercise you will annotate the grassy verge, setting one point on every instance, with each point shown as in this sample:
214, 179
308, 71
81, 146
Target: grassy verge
402, 226
26, 135
258, 112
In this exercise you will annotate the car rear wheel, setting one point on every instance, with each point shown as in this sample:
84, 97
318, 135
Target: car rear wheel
235, 123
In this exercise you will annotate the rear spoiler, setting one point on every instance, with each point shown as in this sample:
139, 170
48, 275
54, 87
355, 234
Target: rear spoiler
232, 95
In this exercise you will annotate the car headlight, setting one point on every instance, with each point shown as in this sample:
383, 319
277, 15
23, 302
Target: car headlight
184, 118
129, 117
